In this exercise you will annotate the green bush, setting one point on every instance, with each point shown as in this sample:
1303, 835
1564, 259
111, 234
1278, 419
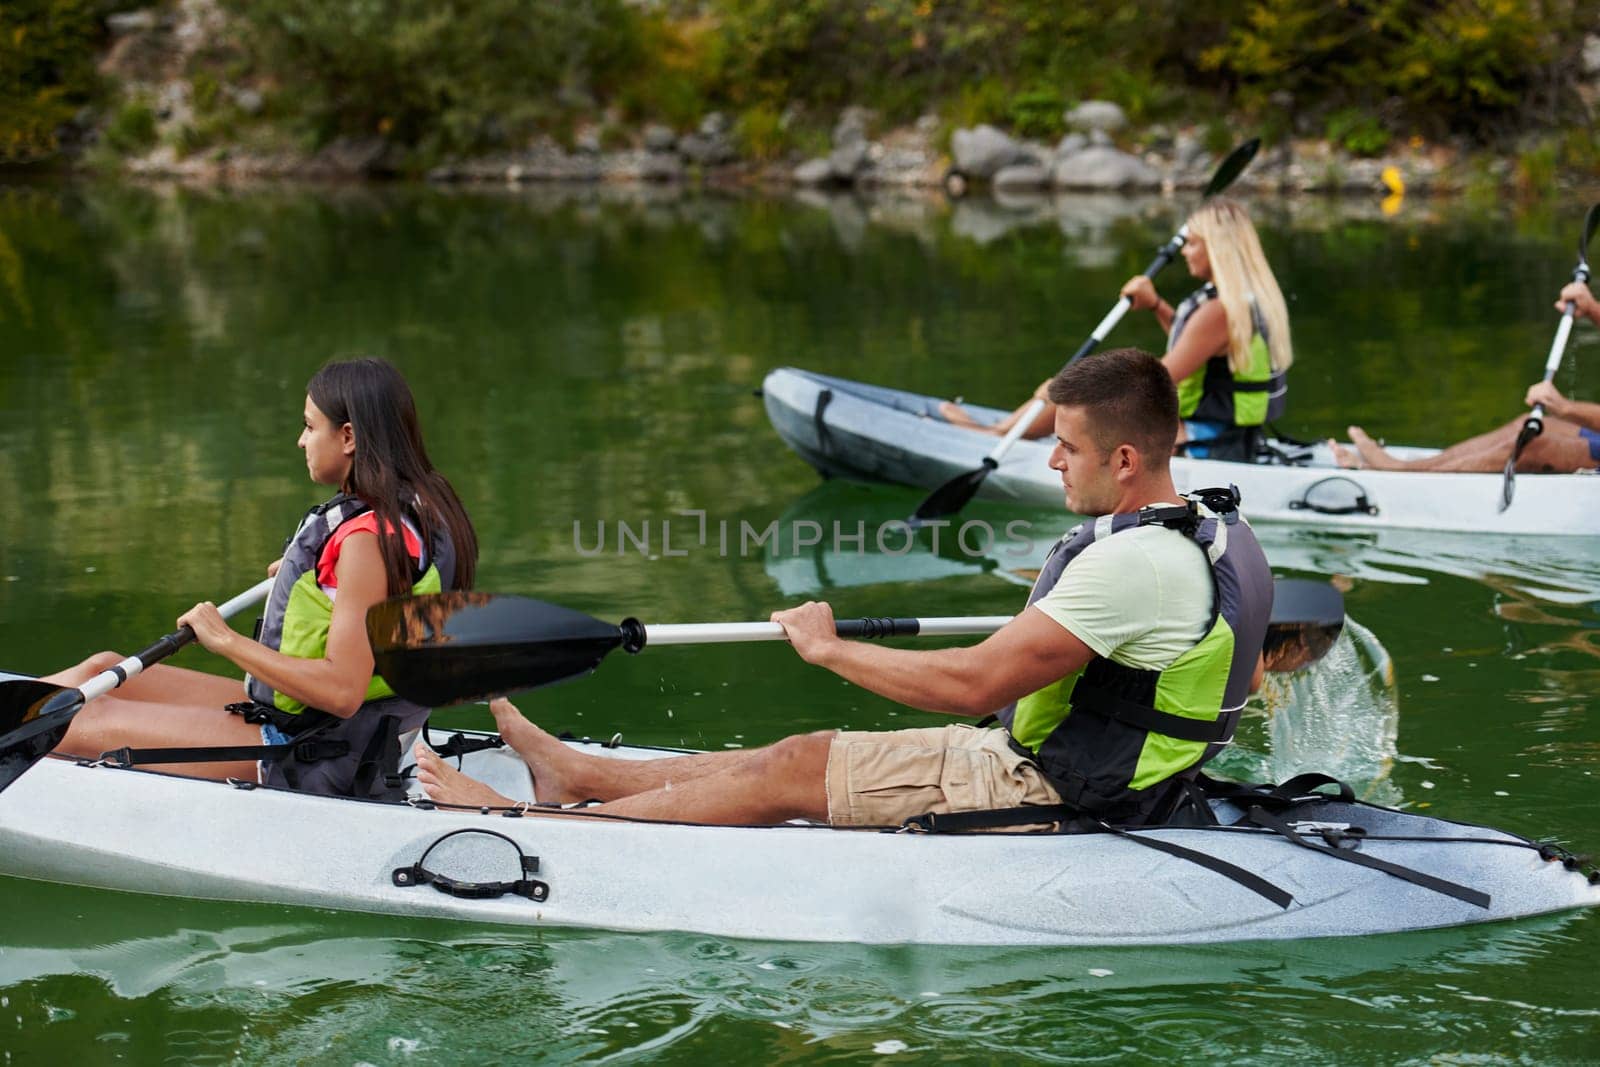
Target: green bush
47, 71
668, 67
1580, 149
132, 129
440, 76
760, 134
1036, 113
1481, 68
975, 103
905, 57
1357, 132
1535, 171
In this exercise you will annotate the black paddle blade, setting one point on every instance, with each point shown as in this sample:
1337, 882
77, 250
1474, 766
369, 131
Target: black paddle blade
953, 495
1589, 224
449, 648
33, 718
1531, 427
1508, 483
1307, 618
1232, 167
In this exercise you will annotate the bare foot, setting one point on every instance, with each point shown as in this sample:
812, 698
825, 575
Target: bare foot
1372, 453
446, 785
545, 755
956, 415
1343, 457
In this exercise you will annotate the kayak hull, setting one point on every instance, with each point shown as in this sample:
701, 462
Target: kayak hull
152, 833
872, 433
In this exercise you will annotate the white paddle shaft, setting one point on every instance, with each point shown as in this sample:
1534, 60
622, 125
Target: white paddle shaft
1559, 345
1098, 334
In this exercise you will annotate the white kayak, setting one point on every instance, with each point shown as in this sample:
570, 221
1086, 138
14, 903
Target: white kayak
828, 539
873, 433
140, 831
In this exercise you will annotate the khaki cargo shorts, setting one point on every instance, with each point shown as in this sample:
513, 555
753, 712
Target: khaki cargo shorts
884, 778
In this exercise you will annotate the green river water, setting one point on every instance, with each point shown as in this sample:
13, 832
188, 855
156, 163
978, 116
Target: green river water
589, 357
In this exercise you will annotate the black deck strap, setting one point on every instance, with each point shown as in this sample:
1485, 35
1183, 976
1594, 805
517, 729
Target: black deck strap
1182, 803
1300, 789
527, 886
1250, 880
958, 822
384, 739
1261, 817
1304, 787
301, 751
999, 818
1096, 700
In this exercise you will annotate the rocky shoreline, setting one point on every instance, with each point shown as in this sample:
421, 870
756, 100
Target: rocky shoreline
1087, 159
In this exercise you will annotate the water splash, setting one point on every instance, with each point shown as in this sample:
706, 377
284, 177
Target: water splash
1340, 716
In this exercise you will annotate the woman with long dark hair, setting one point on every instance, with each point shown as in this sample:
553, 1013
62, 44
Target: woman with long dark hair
394, 526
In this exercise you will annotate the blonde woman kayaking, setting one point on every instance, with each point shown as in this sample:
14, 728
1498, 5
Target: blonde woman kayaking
1228, 342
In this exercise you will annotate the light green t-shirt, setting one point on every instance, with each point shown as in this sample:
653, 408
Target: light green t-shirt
1140, 598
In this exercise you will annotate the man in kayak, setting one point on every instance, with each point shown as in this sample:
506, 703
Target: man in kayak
1139, 645
1570, 441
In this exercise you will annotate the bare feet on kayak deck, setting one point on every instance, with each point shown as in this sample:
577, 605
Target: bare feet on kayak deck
1343, 457
1372, 453
956, 415
446, 785
539, 750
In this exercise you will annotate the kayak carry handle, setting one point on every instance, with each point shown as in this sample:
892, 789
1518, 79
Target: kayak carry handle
417, 874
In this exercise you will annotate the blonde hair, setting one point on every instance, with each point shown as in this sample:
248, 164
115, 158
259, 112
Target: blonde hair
1239, 270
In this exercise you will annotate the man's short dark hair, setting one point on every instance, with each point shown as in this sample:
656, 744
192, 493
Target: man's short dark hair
1129, 398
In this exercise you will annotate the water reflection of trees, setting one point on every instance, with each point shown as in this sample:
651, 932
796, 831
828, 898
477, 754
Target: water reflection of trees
589, 353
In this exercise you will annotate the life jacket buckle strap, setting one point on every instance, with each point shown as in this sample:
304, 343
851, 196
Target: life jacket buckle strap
250, 711
314, 750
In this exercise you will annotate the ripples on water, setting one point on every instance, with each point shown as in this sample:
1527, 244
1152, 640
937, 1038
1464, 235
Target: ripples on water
268, 985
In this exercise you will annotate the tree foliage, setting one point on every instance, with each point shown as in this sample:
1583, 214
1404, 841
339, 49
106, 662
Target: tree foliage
1480, 68
443, 75
47, 71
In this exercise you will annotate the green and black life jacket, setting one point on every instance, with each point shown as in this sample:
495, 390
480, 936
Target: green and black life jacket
296, 622
1110, 738
1215, 392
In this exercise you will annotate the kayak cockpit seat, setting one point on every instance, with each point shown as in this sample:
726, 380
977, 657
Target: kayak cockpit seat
1254, 444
